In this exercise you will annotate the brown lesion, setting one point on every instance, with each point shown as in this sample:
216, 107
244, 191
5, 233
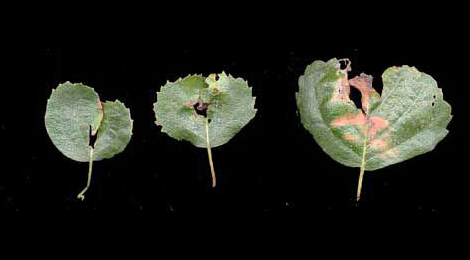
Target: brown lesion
376, 124
101, 115
342, 87
364, 84
350, 119
350, 137
369, 127
199, 107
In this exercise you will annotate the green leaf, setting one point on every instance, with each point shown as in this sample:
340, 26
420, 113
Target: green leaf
115, 131
74, 112
71, 111
409, 119
228, 102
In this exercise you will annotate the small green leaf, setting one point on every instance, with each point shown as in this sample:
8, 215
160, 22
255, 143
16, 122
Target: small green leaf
227, 101
409, 119
71, 111
74, 112
115, 131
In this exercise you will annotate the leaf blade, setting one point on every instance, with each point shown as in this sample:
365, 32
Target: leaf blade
229, 101
411, 98
115, 131
71, 111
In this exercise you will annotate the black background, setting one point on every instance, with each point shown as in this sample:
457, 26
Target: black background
272, 164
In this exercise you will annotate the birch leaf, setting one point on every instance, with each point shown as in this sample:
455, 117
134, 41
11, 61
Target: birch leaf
408, 119
74, 113
227, 102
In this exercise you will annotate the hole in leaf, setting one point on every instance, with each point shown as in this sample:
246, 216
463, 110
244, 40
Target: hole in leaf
434, 96
216, 77
201, 109
92, 139
432, 104
343, 64
355, 96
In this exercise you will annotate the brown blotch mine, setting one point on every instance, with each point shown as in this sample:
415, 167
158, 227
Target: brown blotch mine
378, 144
189, 105
376, 124
350, 137
342, 88
359, 119
201, 105
364, 84
100, 106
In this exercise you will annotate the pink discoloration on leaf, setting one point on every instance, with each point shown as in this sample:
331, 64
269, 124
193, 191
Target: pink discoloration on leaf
100, 106
373, 124
189, 105
378, 144
101, 115
368, 126
388, 154
350, 137
356, 120
364, 84
382, 145
376, 124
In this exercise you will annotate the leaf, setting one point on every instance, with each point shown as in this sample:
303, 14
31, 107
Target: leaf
115, 131
409, 119
228, 102
71, 110
74, 112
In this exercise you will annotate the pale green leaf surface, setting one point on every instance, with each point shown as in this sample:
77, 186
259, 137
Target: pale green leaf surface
408, 120
71, 110
230, 108
115, 131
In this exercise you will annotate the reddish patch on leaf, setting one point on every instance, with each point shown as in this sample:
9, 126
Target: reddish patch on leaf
189, 105
101, 115
359, 119
201, 105
387, 155
381, 145
378, 144
376, 124
100, 106
364, 84
350, 137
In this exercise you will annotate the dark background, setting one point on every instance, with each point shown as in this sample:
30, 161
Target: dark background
272, 164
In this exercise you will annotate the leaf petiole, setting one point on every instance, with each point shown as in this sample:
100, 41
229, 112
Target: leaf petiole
209, 153
363, 166
359, 185
90, 168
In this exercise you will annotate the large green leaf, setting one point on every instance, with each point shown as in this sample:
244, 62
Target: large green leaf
74, 112
228, 102
409, 119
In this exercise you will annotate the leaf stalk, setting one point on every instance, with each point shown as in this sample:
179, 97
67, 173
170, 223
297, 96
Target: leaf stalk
209, 153
90, 169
